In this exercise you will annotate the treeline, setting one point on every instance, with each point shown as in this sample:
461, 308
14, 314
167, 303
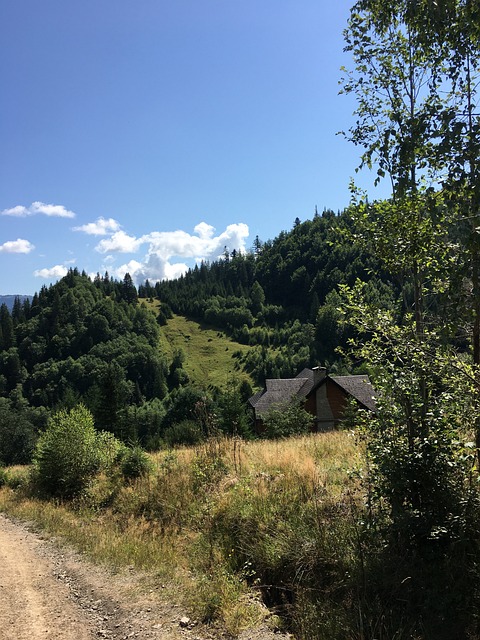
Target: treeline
63, 343
282, 296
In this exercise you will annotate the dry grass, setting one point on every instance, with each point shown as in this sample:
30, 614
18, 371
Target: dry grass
174, 524
116, 542
328, 455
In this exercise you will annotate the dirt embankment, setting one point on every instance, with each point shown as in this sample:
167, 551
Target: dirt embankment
50, 592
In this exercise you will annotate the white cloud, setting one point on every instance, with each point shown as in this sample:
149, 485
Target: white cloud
232, 238
204, 246
51, 210
17, 246
19, 211
58, 271
55, 210
120, 242
101, 227
171, 271
165, 245
204, 230
153, 269
176, 243
133, 268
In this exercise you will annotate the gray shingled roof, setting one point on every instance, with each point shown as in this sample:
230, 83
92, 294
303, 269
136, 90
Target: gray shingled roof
309, 377
278, 392
253, 400
359, 387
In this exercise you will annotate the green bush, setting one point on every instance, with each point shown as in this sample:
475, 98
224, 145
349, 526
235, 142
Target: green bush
110, 450
186, 432
207, 471
15, 477
135, 463
289, 419
67, 454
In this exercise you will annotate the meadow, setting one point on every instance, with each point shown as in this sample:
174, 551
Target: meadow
210, 355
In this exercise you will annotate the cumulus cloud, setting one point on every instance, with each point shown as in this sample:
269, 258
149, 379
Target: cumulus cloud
203, 246
17, 246
204, 230
153, 269
232, 238
165, 245
101, 227
58, 271
119, 242
176, 243
133, 268
54, 210
39, 208
19, 211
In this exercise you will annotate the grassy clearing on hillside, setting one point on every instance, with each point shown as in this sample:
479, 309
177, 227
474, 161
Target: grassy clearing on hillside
229, 523
209, 353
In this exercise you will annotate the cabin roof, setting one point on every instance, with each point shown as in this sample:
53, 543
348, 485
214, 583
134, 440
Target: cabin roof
278, 391
359, 387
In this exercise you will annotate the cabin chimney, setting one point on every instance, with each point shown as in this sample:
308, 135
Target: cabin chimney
319, 373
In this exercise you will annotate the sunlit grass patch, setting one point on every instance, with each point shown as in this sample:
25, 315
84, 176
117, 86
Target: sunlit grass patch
209, 352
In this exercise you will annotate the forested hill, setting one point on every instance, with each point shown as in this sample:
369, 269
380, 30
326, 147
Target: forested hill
281, 297
80, 341
93, 342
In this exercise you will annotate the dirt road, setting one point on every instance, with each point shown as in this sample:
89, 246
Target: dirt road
34, 604
50, 592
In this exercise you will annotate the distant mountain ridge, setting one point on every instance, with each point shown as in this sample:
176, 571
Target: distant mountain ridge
10, 299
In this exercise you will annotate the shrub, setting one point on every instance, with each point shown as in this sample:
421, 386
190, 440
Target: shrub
209, 466
186, 432
17, 477
135, 463
67, 453
110, 450
290, 419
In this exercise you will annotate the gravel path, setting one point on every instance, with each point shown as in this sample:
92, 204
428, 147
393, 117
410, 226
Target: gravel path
51, 592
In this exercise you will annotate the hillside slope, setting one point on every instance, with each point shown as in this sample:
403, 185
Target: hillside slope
211, 357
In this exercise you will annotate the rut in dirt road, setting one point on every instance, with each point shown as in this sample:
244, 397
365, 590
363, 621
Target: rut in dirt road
32, 603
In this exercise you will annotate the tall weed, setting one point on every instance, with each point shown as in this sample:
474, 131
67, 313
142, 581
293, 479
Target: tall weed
294, 544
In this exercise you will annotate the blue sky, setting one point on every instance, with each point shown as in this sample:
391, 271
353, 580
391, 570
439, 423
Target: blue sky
143, 135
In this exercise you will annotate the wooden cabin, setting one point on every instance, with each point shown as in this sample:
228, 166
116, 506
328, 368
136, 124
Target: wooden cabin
325, 396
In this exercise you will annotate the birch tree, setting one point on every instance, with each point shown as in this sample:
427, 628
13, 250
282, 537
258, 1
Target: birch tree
415, 123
